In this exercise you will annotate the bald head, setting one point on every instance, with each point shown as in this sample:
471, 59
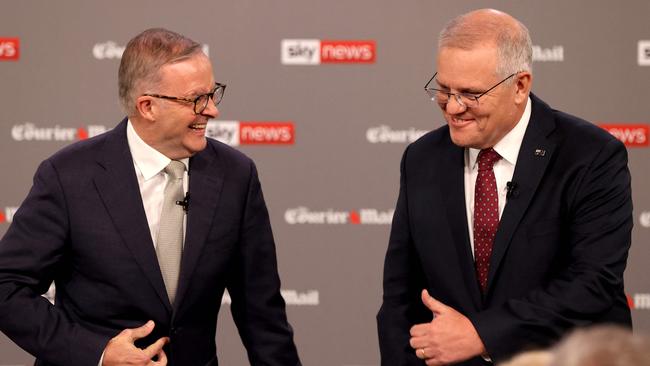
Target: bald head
487, 27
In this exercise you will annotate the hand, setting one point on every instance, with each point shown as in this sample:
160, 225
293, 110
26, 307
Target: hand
449, 337
121, 350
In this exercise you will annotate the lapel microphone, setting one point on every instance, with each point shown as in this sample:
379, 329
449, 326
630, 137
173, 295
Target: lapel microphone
511, 189
185, 203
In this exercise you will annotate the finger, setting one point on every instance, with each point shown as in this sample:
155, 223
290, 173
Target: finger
432, 362
432, 304
156, 347
141, 332
162, 359
419, 342
419, 330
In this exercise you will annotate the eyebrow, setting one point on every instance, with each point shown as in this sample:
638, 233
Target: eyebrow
469, 90
199, 91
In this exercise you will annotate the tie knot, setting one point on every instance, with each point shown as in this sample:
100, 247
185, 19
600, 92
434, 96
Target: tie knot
175, 169
487, 158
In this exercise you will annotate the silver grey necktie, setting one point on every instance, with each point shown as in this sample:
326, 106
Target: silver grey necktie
169, 247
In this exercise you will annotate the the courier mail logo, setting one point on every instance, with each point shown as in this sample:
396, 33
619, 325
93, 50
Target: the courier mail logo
316, 52
644, 53
9, 49
7, 215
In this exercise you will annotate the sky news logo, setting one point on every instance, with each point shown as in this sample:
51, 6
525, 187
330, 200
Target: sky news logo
291, 297
236, 133
110, 50
386, 135
632, 135
644, 53
364, 216
30, 132
9, 49
639, 301
316, 52
644, 219
8, 214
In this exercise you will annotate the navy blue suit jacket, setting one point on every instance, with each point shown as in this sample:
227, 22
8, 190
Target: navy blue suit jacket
83, 226
559, 252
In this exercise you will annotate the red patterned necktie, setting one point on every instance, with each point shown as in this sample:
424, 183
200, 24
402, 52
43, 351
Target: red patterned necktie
486, 214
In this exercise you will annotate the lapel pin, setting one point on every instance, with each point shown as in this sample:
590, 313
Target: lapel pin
540, 152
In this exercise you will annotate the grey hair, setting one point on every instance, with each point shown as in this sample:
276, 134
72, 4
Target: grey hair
143, 57
514, 46
604, 345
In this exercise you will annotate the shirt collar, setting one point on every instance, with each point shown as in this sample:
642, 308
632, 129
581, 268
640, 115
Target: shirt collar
149, 160
508, 147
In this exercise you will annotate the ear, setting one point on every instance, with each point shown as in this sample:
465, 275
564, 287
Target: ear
523, 83
146, 107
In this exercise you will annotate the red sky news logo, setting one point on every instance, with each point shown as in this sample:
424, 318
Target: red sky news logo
633, 135
316, 52
236, 133
9, 49
364, 216
639, 301
30, 132
8, 214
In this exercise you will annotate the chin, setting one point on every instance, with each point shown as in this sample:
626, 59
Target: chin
195, 148
461, 141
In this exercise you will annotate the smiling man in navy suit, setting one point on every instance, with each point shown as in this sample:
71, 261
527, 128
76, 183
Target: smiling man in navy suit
513, 221
140, 269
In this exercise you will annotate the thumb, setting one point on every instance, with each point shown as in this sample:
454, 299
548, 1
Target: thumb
143, 331
432, 304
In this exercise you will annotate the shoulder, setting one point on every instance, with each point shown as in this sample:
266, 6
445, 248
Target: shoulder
433, 145
227, 153
571, 132
80, 153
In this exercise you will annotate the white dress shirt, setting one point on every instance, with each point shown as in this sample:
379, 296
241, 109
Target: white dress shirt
508, 147
149, 168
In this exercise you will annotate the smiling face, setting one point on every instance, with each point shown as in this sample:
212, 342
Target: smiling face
473, 71
171, 126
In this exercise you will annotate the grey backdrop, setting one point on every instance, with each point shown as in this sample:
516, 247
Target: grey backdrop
352, 122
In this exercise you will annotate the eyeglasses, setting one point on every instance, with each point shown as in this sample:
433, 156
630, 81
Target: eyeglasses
201, 101
467, 100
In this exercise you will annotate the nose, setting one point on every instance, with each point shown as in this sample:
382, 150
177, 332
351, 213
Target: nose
211, 110
455, 105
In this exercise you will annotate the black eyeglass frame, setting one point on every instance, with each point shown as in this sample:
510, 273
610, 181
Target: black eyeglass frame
211, 95
470, 96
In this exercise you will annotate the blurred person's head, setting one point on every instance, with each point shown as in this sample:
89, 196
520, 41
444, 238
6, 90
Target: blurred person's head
530, 358
606, 345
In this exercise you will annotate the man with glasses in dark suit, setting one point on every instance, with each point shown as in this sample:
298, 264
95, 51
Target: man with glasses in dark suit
513, 221
142, 229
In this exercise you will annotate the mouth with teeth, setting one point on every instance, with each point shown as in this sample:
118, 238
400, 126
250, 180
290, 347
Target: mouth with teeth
460, 122
198, 126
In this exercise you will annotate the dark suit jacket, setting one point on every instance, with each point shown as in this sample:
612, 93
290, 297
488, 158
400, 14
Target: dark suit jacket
83, 225
559, 252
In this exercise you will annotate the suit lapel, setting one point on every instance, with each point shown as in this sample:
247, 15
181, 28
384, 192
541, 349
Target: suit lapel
534, 155
206, 177
117, 185
453, 191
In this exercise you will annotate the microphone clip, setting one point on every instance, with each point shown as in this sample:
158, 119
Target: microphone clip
185, 203
511, 189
